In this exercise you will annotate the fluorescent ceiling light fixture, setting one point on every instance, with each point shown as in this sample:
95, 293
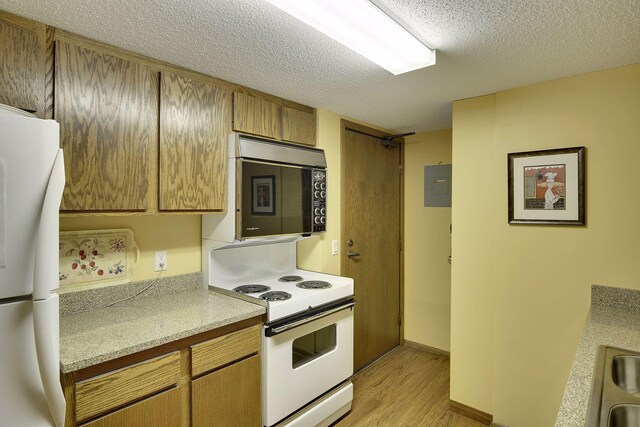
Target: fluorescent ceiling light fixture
365, 29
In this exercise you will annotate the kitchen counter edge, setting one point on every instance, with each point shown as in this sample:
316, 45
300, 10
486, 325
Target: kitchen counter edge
613, 320
97, 336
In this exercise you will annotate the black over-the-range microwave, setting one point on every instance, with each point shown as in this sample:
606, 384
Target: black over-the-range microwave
280, 188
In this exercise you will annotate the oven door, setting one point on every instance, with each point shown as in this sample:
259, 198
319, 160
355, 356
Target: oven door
302, 363
274, 199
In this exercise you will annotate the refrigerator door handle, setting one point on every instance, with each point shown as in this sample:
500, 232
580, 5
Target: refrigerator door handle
47, 333
47, 262
45, 303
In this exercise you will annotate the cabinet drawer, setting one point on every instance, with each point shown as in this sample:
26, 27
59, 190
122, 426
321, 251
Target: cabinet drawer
220, 351
162, 410
100, 394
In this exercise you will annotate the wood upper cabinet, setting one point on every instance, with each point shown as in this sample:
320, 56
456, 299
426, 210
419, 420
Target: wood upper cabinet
107, 108
298, 126
256, 116
195, 121
259, 116
22, 63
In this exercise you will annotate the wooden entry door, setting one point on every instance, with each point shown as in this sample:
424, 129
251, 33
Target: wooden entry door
371, 197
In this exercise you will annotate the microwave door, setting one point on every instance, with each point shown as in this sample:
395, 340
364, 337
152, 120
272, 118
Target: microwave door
261, 199
296, 200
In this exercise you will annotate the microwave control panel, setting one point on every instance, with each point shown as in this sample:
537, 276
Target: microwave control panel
319, 200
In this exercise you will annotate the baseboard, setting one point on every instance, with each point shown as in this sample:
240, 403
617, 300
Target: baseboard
426, 348
469, 412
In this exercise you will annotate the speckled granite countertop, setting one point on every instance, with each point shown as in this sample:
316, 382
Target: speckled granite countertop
614, 320
98, 335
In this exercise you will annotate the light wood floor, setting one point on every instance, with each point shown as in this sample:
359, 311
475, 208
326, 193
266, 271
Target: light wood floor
407, 387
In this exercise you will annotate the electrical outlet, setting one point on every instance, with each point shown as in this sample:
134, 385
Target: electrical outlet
161, 261
334, 247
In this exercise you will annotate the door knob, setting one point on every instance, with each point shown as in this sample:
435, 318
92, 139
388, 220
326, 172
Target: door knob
352, 254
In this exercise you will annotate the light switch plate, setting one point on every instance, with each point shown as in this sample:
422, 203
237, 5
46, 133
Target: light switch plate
334, 247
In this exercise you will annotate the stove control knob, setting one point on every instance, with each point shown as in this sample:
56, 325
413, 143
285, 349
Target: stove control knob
323, 186
322, 220
317, 185
323, 211
317, 211
323, 194
316, 194
317, 220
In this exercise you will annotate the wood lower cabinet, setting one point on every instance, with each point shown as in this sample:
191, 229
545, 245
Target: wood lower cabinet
163, 410
229, 397
195, 122
211, 379
107, 108
256, 116
101, 394
22, 63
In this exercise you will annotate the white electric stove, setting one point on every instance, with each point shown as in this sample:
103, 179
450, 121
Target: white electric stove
290, 293
307, 342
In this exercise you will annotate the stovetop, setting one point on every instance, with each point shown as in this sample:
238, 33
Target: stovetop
293, 296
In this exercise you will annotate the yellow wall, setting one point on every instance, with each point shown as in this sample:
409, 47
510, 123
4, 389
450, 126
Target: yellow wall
179, 235
427, 244
520, 293
315, 253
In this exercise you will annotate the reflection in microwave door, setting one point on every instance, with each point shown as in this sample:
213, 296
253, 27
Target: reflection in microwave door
263, 195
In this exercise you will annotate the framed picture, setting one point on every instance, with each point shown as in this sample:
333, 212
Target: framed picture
547, 187
263, 195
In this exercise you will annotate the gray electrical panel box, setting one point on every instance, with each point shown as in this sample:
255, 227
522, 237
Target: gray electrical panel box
437, 186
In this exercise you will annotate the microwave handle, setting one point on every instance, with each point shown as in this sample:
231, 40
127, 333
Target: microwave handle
275, 330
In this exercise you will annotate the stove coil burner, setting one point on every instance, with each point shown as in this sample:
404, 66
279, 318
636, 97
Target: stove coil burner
251, 289
275, 296
313, 284
290, 279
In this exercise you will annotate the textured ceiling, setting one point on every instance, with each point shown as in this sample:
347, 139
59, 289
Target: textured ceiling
483, 46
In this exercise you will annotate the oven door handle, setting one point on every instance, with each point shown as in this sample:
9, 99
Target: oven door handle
275, 330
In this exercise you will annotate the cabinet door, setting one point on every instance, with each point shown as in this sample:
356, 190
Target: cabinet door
107, 108
162, 410
194, 126
298, 126
22, 68
256, 116
228, 397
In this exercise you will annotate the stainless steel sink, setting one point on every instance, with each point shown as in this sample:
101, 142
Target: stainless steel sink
625, 416
615, 395
626, 373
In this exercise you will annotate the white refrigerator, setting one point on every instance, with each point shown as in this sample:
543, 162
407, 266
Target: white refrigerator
31, 185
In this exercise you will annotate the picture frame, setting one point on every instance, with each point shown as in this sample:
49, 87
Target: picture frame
263, 195
547, 187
